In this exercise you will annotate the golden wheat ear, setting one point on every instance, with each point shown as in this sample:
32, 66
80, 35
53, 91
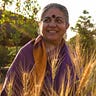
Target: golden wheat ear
87, 83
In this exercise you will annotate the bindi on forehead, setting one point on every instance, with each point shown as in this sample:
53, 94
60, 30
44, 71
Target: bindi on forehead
53, 16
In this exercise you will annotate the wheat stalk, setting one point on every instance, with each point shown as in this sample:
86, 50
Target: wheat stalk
86, 74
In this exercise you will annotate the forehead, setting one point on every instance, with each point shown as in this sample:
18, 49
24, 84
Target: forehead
53, 11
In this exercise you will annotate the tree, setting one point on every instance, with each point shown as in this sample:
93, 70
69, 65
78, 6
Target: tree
5, 3
86, 32
10, 22
17, 28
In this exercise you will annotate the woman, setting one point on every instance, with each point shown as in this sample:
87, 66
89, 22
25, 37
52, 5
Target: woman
43, 66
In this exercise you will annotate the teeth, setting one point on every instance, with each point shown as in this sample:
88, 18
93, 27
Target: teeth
52, 31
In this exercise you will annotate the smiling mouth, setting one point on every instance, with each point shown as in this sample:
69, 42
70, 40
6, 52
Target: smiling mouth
52, 32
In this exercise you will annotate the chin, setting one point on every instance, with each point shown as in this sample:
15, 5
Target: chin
52, 39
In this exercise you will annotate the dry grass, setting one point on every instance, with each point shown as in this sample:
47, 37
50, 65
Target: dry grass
85, 65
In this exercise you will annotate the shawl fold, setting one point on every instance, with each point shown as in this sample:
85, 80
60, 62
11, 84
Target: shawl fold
40, 62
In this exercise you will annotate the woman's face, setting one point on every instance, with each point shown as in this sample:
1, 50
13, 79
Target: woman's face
53, 25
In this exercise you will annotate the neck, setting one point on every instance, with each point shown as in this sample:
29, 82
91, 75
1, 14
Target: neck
50, 45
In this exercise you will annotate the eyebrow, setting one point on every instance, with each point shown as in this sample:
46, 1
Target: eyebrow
52, 17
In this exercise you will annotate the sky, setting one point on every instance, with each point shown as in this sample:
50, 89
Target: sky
75, 9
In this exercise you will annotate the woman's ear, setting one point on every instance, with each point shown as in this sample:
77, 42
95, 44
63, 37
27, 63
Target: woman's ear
39, 23
39, 27
67, 26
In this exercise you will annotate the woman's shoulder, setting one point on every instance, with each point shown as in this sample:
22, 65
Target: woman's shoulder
28, 46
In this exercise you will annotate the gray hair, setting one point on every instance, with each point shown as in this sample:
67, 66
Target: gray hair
60, 7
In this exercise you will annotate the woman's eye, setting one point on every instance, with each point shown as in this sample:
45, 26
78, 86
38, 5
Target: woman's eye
46, 20
59, 21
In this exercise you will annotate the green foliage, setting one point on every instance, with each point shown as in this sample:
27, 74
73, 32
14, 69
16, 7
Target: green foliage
31, 27
12, 53
24, 20
7, 54
4, 3
30, 8
17, 28
12, 30
86, 32
3, 55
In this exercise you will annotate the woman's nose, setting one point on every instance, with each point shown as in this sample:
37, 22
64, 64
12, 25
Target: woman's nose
52, 23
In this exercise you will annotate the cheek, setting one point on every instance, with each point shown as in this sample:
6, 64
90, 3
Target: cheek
65, 27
